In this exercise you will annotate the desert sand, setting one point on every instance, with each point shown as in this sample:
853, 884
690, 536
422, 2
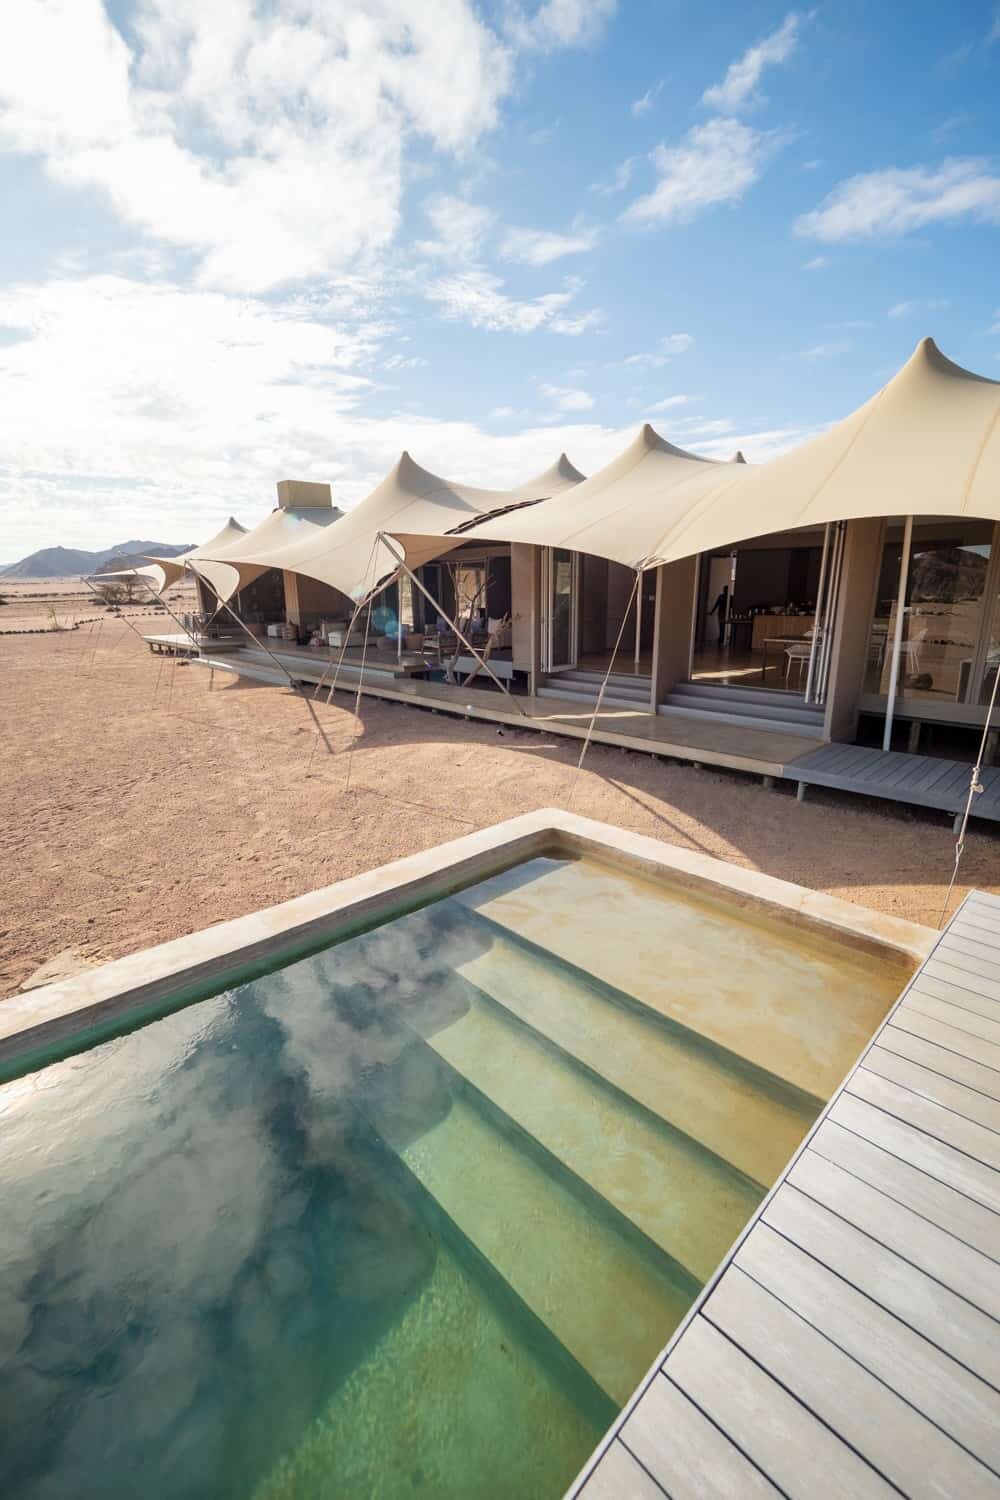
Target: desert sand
142, 799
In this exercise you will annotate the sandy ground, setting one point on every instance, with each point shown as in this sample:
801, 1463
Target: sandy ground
139, 801
60, 603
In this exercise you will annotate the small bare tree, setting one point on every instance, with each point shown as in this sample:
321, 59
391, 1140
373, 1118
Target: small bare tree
116, 590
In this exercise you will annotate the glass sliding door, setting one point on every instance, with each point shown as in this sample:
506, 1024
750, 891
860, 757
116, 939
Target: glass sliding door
560, 595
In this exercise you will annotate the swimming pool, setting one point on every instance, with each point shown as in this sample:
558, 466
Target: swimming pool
410, 1216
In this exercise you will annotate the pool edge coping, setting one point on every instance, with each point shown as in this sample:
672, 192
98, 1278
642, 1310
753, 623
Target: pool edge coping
112, 990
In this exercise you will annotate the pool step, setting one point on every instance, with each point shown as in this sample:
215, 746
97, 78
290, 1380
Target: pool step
741, 1114
609, 1298
782, 998
687, 1202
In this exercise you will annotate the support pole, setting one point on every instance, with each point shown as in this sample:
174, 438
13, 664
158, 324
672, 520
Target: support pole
830, 614
127, 621
255, 641
638, 626
389, 546
820, 613
897, 636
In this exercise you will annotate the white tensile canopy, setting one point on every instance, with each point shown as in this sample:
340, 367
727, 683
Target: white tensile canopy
229, 566
166, 570
927, 444
419, 510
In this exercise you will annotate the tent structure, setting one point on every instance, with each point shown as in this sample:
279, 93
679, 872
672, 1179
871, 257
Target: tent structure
425, 514
229, 565
166, 570
928, 443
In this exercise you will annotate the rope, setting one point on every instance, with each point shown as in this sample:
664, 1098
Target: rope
600, 695
975, 787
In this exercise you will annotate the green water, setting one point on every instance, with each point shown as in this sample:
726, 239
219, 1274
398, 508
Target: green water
409, 1218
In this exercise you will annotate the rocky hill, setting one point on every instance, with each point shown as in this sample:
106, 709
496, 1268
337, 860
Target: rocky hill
70, 562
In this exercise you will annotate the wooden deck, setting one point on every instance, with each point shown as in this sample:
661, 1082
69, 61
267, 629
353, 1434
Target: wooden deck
734, 747
850, 1343
921, 780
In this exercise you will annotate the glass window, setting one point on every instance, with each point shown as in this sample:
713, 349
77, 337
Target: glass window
945, 589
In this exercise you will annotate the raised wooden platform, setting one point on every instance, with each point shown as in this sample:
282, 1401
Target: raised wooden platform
850, 1343
756, 751
921, 780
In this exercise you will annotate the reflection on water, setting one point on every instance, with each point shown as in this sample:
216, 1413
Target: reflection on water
204, 1244
408, 1218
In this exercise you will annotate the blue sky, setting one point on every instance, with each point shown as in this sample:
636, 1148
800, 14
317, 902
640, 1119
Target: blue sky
249, 241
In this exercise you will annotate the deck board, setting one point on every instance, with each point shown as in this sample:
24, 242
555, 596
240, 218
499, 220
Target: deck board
850, 1343
920, 780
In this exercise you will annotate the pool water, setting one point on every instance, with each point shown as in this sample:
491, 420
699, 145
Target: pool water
413, 1216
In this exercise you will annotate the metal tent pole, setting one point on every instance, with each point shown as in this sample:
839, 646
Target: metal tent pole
256, 641
820, 611
897, 637
638, 627
465, 642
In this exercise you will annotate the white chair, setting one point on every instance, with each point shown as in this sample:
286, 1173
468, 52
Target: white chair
800, 652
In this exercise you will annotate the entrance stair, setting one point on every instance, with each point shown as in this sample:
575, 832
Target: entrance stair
754, 708
624, 689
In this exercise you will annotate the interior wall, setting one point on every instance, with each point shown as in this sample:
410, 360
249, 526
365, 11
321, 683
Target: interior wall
308, 602
621, 581
593, 604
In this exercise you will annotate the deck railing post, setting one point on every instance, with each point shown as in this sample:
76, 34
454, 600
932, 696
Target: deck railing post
897, 635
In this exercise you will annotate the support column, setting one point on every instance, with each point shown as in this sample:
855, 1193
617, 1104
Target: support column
862, 560
525, 605
673, 626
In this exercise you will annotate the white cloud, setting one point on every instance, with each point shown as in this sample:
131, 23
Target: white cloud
742, 77
477, 297
566, 398
714, 163
177, 407
645, 102
269, 141
899, 201
538, 247
917, 305
669, 403
817, 263
502, 411
617, 182
559, 23
993, 35
404, 362
669, 346
459, 226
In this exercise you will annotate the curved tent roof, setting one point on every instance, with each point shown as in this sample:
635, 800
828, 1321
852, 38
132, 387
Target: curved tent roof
619, 509
420, 510
927, 444
230, 566
169, 569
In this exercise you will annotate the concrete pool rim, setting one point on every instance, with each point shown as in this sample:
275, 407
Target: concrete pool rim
38, 1025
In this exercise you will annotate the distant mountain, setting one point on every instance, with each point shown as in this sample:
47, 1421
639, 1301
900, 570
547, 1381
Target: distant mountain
70, 562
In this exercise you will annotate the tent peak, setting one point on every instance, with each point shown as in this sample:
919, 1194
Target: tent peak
928, 359
649, 440
737, 457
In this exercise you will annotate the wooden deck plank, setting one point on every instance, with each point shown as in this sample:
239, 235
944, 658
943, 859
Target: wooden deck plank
930, 1248
972, 1073
671, 1437
619, 1476
919, 1149
944, 1391
927, 1306
885, 1430
902, 1183
937, 1120
970, 947
802, 1457
949, 992
966, 927
966, 972
969, 1102
953, 1013
943, 1034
